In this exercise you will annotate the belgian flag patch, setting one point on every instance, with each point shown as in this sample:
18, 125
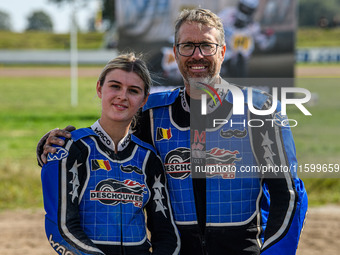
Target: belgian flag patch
97, 164
163, 133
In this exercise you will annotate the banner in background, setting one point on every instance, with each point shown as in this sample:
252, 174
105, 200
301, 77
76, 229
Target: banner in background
259, 45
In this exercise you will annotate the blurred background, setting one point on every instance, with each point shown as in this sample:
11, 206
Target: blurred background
52, 51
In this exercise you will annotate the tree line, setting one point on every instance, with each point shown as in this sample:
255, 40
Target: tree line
319, 13
37, 20
311, 13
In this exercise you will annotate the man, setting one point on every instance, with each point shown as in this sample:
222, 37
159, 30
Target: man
224, 212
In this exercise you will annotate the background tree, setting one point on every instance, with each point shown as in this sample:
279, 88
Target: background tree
5, 21
91, 24
39, 21
311, 12
108, 10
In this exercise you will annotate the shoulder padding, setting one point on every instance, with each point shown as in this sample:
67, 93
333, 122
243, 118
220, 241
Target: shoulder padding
160, 99
81, 133
143, 144
259, 97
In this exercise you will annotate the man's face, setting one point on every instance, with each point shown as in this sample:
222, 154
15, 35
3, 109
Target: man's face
198, 67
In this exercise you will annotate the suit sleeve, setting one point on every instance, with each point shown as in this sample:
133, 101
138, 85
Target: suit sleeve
164, 235
62, 181
284, 203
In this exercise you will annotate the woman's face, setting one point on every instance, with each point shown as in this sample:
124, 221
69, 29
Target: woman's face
122, 95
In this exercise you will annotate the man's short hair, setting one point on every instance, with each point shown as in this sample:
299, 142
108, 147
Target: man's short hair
200, 16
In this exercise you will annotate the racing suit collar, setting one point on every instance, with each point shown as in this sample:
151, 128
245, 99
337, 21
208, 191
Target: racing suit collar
213, 103
106, 139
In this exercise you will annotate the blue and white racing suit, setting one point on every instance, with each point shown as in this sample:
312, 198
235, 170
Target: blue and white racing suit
234, 213
95, 198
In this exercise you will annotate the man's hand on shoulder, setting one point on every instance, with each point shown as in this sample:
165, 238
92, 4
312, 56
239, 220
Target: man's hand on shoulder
45, 144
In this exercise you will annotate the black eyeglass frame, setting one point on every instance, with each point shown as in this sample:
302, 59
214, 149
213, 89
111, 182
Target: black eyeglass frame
197, 45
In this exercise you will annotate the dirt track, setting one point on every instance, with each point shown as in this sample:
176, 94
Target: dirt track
22, 233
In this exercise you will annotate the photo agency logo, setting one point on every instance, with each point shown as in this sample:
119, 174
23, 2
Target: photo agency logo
239, 103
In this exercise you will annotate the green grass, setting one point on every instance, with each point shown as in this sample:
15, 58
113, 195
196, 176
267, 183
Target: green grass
29, 108
44, 40
306, 37
317, 37
316, 134
317, 137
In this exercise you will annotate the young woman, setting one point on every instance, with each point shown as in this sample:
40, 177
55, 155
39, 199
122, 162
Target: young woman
97, 185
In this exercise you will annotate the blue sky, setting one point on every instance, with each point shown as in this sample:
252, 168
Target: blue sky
19, 10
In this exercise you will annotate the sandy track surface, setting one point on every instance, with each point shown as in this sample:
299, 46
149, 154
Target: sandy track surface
318, 71
22, 232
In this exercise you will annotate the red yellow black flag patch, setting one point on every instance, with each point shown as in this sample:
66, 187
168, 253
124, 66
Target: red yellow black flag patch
100, 164
163, 133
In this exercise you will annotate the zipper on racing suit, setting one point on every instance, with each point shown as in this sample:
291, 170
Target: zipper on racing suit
198, 158
117, 169
199, 186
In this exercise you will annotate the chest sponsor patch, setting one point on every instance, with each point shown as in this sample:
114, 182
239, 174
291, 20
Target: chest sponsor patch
177, 163
221, 162
112, 192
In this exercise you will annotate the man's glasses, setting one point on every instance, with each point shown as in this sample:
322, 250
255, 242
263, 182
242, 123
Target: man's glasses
188, 49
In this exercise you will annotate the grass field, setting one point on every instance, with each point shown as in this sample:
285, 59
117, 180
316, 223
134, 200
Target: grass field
44, 40
316, 137
32, 106
306, 37
316, 37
